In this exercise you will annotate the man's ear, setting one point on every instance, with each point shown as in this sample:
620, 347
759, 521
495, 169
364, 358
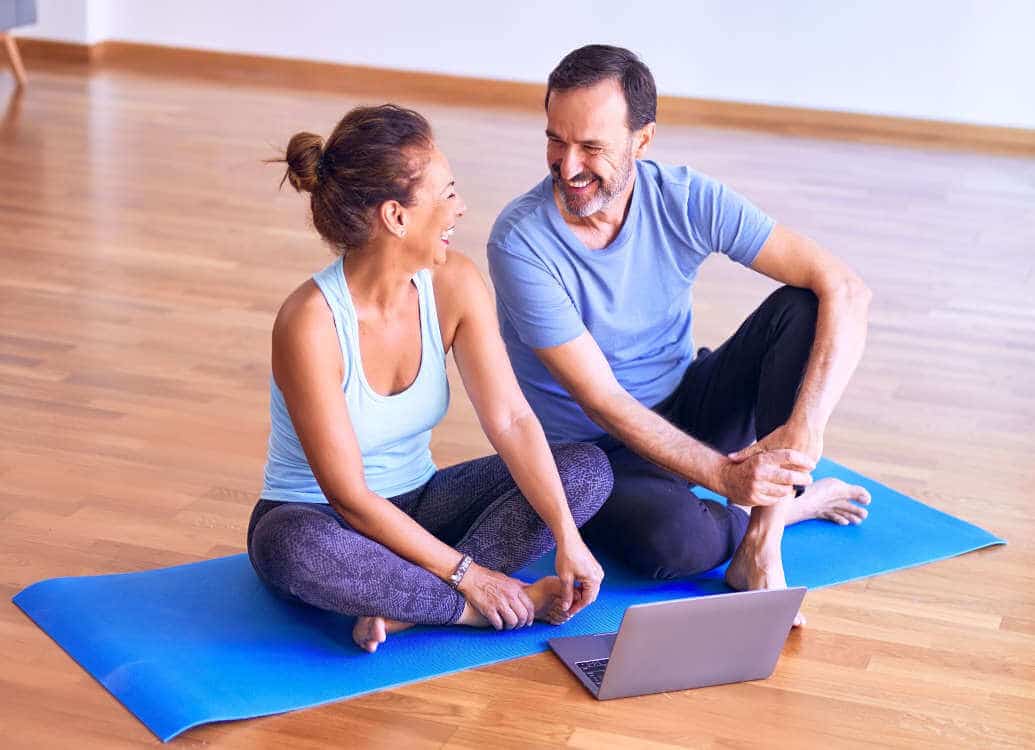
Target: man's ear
394, 218
642, 138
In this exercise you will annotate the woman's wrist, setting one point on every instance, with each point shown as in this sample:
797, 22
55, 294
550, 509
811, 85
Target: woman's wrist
460, 571
567, 533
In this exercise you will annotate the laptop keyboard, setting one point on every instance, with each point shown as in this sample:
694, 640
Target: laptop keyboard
594, 669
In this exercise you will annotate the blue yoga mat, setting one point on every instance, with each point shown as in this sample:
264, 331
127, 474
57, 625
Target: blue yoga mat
207, 642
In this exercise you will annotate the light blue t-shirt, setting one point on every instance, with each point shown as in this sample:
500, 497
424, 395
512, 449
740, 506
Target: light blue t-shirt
394, 432
634, 296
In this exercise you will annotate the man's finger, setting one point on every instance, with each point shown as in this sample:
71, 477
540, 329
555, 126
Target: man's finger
786, 476
772, 489
793, 459
745, 453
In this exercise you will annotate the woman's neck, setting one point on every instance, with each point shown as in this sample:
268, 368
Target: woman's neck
377, 280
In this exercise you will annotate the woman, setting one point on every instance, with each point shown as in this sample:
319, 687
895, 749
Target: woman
354, 516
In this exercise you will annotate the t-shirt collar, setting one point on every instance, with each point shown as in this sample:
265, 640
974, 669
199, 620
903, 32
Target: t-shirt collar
627, 231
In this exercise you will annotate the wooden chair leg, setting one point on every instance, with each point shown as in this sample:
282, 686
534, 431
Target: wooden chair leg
16, 59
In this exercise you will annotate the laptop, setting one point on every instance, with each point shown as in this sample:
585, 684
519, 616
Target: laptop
685, 643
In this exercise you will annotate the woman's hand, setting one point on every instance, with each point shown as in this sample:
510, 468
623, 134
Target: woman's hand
499, 598
576, 564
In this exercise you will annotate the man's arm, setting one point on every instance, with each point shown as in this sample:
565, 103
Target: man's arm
582, 369
840, 337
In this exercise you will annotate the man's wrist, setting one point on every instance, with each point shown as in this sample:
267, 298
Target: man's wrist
809, 423
716, 475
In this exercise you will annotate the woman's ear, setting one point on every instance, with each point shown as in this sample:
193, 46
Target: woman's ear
394, 218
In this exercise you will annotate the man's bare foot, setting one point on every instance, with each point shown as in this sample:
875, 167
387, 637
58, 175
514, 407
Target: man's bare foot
757, 564
371, 632
832, 500
546, 594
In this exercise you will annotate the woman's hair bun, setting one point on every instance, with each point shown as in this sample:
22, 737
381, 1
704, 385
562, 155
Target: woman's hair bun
375, 154
303, 156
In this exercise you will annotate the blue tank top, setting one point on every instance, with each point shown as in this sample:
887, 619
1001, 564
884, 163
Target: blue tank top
394, 432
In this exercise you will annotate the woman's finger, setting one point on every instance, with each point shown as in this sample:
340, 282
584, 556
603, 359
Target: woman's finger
507, 614
567, 590
493, 617
523, 608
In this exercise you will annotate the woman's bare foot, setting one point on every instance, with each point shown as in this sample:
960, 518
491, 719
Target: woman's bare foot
757, 563
832, 500
546, 596
371, 632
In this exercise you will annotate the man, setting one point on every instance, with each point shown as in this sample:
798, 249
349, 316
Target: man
593, 271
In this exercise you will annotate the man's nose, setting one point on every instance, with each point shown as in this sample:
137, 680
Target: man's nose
571, 164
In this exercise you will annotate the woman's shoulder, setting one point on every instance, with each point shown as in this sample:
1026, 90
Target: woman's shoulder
456, 276
304, 316
460, 290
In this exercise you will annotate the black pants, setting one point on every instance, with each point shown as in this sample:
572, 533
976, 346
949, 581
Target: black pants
740, 392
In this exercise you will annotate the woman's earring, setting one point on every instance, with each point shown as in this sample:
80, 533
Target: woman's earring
402, 233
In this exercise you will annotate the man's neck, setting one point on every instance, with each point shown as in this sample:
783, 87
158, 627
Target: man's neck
598, 230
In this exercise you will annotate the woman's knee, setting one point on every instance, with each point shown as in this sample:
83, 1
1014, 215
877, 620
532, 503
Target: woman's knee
285, 540
585, 475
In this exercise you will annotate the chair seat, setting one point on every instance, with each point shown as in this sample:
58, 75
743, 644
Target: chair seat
14, 13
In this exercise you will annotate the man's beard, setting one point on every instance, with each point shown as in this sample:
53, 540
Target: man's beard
601, 198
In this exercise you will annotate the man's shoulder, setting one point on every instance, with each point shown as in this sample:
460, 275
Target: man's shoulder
523, 216
667, 179
682, 191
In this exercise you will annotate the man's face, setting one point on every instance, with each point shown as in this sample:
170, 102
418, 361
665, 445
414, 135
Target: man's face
589, 146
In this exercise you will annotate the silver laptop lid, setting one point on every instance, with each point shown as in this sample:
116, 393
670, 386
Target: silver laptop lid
700, 641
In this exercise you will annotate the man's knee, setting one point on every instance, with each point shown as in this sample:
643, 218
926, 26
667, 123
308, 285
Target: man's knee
586, 477
799, 304
666, 555
692, 543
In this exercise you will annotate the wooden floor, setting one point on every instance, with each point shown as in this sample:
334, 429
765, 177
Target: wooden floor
144, 248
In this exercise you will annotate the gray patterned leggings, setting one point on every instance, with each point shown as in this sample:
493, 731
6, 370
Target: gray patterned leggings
306, 551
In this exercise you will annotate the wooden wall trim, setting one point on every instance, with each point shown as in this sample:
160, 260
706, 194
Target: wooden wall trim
383, 83
48, 50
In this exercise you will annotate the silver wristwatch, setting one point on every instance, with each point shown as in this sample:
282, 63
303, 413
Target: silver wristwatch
461, 569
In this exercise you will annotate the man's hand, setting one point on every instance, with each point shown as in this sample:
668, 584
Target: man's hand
795, 435
576, 564
765, 477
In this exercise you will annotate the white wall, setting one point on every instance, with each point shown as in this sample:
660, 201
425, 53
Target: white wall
954, 60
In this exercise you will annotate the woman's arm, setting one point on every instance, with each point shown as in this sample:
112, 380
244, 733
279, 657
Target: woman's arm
511, 425
308, 368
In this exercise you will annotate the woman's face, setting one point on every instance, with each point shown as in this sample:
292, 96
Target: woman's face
433, 218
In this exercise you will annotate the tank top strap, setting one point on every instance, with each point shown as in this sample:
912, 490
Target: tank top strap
331, 282
431, 330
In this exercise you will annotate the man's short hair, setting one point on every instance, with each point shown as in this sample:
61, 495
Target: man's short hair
589, 65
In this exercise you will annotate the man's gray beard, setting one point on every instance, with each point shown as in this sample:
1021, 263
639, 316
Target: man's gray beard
605, 192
